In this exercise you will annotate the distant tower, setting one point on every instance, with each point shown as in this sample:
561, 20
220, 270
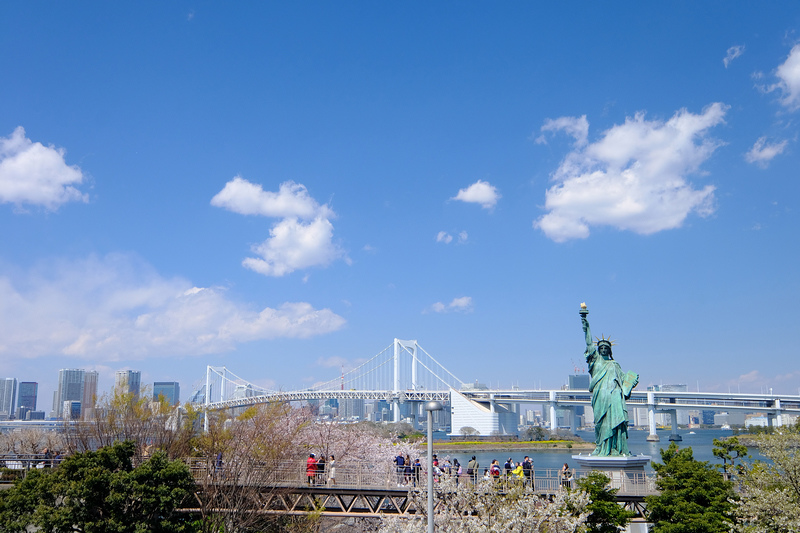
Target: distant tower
127, 382
89, 396
8, 396
170, 390
28, 391
70, 388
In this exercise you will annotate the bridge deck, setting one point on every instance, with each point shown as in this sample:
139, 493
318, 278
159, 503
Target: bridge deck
364, 489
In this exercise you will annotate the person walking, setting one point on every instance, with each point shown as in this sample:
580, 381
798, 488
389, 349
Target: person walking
400, 463
321, 469
494, 470
472, 469
566, 476
527, 469
332, 470
417, 472
311, 468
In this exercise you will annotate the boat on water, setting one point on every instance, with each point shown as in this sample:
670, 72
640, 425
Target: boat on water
725, 426
692, 433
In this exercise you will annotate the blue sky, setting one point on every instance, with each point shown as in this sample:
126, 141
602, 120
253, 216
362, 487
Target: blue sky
284, 188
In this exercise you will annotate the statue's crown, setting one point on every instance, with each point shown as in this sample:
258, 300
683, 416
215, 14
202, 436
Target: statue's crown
603, 340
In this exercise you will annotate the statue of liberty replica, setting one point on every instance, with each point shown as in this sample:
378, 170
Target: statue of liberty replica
609, 388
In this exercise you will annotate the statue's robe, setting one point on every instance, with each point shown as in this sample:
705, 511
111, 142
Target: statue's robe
609, 388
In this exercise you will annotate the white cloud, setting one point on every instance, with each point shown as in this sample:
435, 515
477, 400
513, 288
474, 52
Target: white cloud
302, 239
117, 307
291, 200
446, 238
480, 192
789, 79
577, 127
34, 174
733, 53
459, 305
294, 245
762, 152
633, 178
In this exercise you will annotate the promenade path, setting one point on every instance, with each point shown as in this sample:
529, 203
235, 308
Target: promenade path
365, 489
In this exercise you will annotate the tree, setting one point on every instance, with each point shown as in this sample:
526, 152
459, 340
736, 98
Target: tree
100, 491
535, 433
30, 441
694, 496
122, 416
468, 431
729, 450
254, 450
605, 514
354, 443
770, 491
464, 508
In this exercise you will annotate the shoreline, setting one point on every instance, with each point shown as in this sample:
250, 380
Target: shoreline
544, 445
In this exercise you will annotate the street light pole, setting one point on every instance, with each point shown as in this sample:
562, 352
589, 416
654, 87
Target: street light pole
430, 407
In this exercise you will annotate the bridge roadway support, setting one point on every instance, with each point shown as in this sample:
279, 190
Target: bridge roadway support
776, 418
552, 403
651, 417
673, 415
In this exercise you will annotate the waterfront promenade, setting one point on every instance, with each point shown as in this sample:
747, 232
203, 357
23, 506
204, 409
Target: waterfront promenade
367, 489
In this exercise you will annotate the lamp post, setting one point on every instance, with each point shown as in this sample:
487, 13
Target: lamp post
431, 407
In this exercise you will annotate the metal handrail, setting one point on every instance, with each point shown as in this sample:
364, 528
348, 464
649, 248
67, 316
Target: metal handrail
370, 476
358, 475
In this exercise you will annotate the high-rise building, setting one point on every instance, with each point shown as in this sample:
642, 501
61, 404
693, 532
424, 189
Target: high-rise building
8, 396
70, 388
352, 409
199, 396
579, 381
170, 390
71, 410
89, 397
128, 382
28, 391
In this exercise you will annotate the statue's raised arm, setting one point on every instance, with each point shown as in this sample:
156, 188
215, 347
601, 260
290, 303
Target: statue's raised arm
586, 330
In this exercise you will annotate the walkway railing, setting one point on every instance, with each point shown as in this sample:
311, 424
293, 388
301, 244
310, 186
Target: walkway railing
352, 476
370, 476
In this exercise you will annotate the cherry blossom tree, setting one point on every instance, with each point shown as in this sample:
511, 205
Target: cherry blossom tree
770, 491
466, 508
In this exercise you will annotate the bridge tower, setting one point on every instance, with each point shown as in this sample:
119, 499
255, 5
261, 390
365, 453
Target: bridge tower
399, 347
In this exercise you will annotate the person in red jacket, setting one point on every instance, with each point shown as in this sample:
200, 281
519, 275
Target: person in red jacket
311, 468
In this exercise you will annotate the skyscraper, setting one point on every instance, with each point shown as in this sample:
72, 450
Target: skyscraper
8, 396
170, 390
70, 388
128, 382
28, 390
89, 396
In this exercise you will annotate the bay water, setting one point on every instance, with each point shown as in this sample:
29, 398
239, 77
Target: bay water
701, 442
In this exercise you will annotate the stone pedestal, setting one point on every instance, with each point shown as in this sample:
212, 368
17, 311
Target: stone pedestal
627, 473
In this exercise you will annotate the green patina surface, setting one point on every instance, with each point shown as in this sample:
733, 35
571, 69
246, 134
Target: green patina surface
610, 387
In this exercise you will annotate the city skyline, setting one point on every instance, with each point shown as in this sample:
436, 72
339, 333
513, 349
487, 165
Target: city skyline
285, 189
